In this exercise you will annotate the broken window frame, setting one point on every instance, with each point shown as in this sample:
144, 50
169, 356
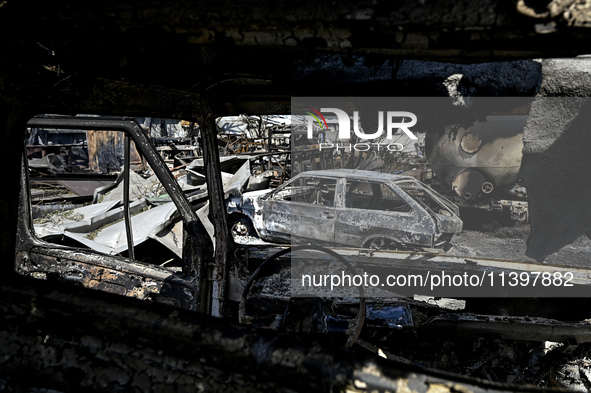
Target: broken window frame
379, 186
73, 263
409, 185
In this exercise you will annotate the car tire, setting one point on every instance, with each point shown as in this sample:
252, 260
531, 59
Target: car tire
382, 243
240, 225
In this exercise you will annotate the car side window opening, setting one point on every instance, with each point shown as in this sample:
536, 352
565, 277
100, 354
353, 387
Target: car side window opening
76, 190
316, 191
373, 196
311, 190
424, 197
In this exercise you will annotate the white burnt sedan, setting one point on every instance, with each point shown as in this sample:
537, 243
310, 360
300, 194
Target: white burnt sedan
351, 208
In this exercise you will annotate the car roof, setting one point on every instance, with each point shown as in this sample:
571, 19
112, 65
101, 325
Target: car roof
358, 174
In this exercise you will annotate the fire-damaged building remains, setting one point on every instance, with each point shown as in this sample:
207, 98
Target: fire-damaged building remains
182, 225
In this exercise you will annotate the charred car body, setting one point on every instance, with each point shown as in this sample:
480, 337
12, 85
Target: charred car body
351, 208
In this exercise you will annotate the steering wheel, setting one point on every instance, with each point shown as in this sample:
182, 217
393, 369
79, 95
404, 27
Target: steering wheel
269, 267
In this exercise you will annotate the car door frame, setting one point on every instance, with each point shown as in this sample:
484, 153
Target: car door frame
362, 218
112, 273
285, 223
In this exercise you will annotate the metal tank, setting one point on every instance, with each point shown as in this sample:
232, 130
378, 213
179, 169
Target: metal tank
480, 160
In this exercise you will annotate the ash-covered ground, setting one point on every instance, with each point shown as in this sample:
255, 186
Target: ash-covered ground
511, 243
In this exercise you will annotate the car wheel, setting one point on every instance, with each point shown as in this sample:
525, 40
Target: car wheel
380, 243
240, 226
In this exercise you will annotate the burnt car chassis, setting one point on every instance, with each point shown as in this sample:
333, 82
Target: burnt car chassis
226, 289
388, 219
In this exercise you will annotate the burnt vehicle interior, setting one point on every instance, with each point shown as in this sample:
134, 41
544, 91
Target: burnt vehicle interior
121, 271
364, 195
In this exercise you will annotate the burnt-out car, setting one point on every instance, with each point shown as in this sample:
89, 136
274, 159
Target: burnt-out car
353, 208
